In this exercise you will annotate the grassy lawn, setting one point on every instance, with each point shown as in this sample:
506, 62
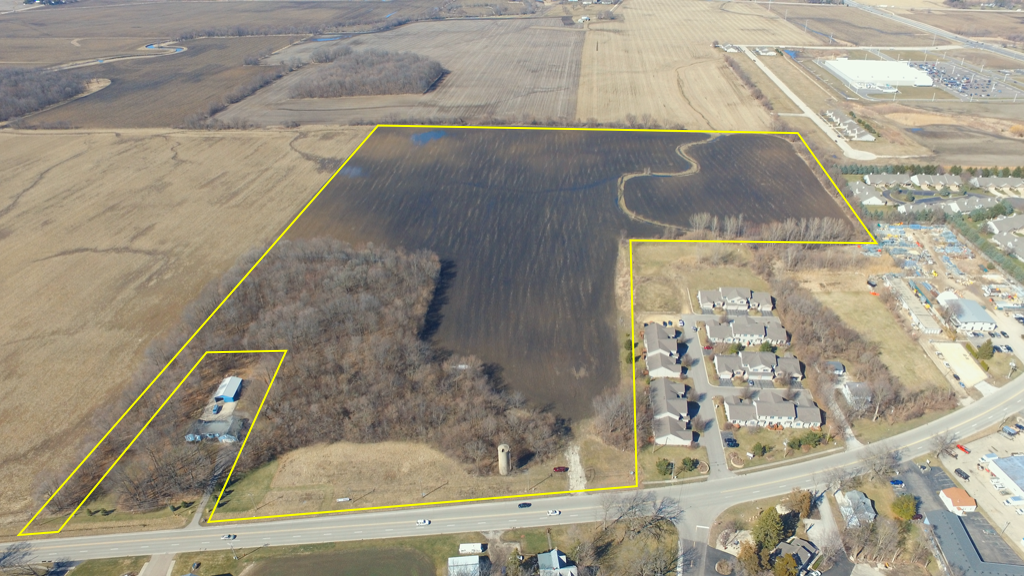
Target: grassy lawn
668, 276
869, 317
535, 540
436, 548
741, 515
110, 566
867, 431
236, 497
748, 437
649, 456
103, 511
605, 465
881, 493
999, 368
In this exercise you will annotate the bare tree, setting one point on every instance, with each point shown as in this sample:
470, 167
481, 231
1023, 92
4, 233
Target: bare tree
943, 442
881, 460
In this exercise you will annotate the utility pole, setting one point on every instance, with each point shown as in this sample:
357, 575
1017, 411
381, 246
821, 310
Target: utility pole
235, 555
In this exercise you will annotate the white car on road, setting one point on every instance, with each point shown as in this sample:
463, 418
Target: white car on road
423, 522
554, 512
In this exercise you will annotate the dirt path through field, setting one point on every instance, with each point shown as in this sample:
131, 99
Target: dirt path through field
577, 475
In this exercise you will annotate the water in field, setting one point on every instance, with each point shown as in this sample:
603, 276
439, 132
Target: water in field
527, 223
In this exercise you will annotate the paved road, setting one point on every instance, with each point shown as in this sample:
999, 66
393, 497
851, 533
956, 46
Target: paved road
939, 32
702, 502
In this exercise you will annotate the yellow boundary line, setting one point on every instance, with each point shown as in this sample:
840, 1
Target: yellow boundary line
636, 460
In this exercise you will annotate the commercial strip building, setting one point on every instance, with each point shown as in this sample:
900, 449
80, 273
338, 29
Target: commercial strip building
958, 550
958, 501
876, 75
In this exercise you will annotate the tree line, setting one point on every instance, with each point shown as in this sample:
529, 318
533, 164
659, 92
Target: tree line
704, 225
749, 83
931, 169
27, 90
369, 72
357, 371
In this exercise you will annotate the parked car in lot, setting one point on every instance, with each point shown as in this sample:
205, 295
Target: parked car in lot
423, 522
525, 504
963, 448
1019, 426
561, 469
1007, 349
1003, 334
963, 475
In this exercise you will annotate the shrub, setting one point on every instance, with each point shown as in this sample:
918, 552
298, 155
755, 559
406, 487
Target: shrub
689, 464
664, 467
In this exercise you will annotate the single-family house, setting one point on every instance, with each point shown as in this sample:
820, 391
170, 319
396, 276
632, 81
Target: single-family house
887, 180
936, 182
801, 550
1005, 224
958, 501
835, 367
661, 366
554, 562
659, 339
469, 566
857, 394
856, 508
229, 389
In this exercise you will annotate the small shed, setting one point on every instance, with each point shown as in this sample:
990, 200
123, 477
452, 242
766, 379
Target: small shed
229, 389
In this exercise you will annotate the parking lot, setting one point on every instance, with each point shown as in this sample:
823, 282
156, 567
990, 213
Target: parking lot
967, 82
926, 485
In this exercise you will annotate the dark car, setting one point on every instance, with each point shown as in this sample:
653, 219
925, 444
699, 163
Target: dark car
525, 504
731, 443
1004, 334
917, 517
1019, 426
966, 477
1007, 349
561, 468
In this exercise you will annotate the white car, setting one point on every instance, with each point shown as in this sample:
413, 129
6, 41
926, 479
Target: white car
423, 522
1020, 511
554, 512
228, 537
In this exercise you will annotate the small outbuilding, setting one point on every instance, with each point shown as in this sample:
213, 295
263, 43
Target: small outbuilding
229, 389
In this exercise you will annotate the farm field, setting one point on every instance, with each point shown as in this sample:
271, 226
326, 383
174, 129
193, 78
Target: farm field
534, 256
854, 27
784, 181
33, 52
167, 20
973, 23
162, 92
640, 66
498, 68
128, 259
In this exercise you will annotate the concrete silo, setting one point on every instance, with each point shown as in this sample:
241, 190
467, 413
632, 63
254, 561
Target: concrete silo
504, 459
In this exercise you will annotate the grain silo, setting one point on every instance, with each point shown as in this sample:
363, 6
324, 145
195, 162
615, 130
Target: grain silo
504, 459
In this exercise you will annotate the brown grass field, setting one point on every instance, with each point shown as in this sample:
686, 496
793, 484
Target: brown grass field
112, 234
853, 26
642, 65
975, 23
498, 68
32, 52
163, 91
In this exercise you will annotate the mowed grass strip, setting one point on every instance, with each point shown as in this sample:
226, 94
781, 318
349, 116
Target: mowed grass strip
868, 316
111, 566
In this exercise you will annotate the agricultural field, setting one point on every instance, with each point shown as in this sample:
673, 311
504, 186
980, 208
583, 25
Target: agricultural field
168, 20
498, 68
128, 258
783, 181
974, 23
641, 67
164, 91
854, 27
47, 51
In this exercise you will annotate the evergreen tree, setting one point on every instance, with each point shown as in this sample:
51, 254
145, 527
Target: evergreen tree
905, 506
985, 351
786, 566
768, 531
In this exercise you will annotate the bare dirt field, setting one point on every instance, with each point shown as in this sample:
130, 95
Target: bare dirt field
853, 26
642, 66
111, 235
162, 92
32, 52
498, 68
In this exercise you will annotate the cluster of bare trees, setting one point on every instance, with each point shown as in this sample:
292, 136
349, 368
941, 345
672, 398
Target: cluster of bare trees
370, 72
749, 83
203, 120
357, 371
613, 418
705, 225
23, 91
805, 257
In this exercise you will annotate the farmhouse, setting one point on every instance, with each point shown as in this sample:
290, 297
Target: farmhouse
734, 300
554, 562
1005, 224
228, 390
958, 501
1011, 471
757, 366
936, 181
469, 566
993, 183
770, 408
749, 331
968, 315
876, 74
856, 508
887, 180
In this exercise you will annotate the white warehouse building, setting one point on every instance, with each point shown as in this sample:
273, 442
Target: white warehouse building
876, 74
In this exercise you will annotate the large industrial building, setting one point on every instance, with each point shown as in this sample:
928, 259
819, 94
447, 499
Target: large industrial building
1011, 472
876, 74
